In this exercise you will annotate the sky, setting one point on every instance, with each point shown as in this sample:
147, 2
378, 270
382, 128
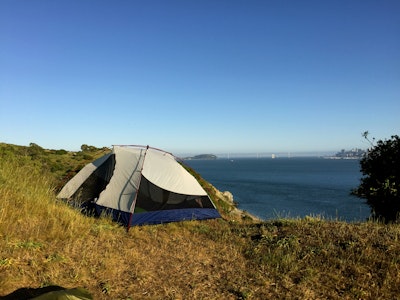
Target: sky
194, 77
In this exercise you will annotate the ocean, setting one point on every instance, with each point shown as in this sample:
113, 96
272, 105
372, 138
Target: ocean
288, 187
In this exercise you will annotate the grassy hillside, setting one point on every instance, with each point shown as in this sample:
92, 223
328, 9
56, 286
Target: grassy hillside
44, 242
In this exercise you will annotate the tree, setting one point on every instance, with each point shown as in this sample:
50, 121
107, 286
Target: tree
380, 183
35, 151
88, 148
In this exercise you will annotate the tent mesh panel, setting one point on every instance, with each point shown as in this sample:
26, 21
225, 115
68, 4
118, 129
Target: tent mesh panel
95, 183
152, 198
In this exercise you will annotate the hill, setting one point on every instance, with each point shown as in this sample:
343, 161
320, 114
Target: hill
44, 243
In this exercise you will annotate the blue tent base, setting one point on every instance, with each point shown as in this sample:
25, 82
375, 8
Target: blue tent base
160, 216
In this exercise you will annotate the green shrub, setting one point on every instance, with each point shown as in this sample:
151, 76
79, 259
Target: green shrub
381, 179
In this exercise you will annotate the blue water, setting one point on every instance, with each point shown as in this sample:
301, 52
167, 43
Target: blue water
288, 187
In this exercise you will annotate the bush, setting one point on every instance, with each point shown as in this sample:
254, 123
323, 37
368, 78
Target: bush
61, 152
381, 179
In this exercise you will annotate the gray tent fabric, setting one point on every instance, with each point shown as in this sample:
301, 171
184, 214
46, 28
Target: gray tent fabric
141, 179
125, 180
162, 169
51, 292
67, 294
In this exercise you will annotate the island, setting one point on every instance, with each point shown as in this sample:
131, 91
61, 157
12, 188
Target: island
202, 156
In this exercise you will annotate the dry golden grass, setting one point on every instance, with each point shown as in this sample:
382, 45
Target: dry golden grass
44, 242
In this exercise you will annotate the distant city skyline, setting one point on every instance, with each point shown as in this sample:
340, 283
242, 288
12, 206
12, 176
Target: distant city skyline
194, 77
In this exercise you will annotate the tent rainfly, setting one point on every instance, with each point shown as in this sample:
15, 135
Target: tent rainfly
140, 185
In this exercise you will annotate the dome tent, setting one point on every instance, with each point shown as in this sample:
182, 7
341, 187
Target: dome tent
140, 185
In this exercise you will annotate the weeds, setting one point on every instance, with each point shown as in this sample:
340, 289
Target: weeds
29, 245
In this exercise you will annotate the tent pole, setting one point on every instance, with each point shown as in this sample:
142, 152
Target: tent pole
136, 194
147, 147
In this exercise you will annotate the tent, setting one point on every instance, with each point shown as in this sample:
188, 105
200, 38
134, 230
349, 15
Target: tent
140, 185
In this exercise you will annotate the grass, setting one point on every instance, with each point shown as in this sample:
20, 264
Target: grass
44, 242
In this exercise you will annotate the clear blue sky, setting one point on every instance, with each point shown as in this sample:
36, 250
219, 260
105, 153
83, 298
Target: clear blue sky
199, 76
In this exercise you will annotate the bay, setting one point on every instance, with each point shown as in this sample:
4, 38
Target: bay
288, 187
